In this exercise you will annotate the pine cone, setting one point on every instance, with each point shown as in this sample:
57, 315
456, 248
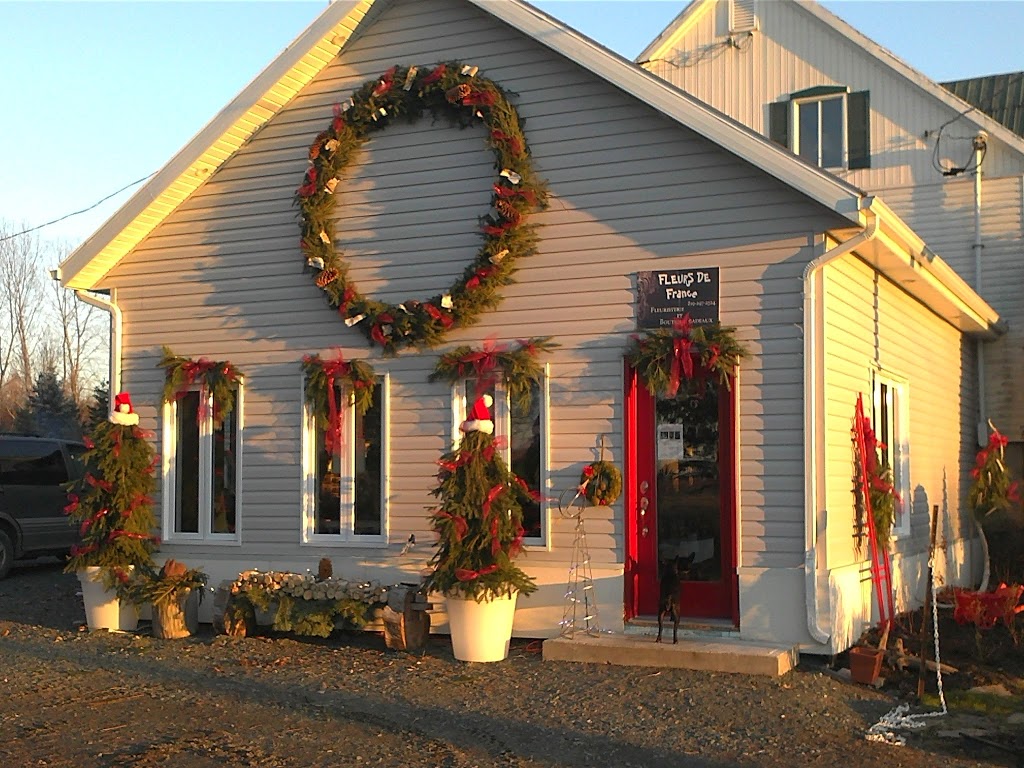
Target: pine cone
326, 277
508, 212
314, 148
458, 93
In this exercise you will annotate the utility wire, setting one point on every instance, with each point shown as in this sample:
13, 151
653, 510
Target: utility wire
69, 215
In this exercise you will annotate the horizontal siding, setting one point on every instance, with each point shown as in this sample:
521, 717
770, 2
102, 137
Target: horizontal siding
944, 216
223, 277
792, 51
871, 325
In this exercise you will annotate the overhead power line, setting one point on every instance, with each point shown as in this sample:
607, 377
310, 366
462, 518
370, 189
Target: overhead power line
76, 213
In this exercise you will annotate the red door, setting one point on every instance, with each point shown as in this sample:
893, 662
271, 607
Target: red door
680, 497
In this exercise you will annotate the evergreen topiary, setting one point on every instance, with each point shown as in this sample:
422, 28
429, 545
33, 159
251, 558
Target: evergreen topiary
112, 502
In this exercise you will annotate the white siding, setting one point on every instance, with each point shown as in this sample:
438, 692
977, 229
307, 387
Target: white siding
223, 277
872, 325
793, 50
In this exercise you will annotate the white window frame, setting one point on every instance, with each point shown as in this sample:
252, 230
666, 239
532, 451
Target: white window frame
503, 428
169, 465
794, 121
896, 435
346, 537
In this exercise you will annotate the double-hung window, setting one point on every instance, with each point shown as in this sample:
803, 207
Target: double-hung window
522, 432
891, 428
202, 450
345, 482
826, 125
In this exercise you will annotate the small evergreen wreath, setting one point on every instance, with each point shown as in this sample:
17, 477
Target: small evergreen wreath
358, 380
451, 90
601, 483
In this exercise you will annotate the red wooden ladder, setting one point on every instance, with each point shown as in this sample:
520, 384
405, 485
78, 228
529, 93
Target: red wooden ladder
881, 571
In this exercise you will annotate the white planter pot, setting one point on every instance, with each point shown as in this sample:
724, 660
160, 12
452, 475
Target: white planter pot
102, 608
481, 631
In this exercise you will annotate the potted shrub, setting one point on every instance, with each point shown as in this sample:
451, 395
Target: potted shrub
112, 505
169, 591
480, 532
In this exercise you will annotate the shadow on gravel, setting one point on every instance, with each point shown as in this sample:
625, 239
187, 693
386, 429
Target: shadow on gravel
500, 738
22, 601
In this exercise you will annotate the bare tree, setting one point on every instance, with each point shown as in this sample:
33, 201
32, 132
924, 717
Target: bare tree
21, 294
81, 340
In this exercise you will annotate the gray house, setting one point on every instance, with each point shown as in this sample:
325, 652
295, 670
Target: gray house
827, 288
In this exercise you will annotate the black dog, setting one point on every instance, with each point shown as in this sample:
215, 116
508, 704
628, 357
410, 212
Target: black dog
672, 572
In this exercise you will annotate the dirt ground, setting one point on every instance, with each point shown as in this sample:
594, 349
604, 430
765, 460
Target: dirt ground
73, 698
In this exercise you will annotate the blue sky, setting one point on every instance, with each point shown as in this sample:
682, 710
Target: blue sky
97, 95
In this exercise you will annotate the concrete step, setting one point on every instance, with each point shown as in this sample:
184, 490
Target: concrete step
711, 655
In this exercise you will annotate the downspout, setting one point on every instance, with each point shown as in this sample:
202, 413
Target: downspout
813, 367
108, 305
978, 246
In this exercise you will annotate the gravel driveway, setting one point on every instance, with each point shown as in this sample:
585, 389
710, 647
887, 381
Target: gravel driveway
74, 698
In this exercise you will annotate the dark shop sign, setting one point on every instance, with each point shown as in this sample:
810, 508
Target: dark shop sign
664, 296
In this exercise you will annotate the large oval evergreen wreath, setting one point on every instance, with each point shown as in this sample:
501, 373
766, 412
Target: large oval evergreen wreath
450, 90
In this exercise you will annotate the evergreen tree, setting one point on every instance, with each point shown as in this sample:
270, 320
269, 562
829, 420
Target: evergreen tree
50, 411
99, 406
113, 502
479, 522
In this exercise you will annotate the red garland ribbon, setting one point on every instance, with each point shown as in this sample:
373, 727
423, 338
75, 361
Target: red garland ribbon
309, 188
72, 505
511, 193
495, 541
479, 99
682, 354
464, 574
334, 369
442, 317
77, 550
88, 442
517, 543
87, 524
105, 485
119, 533
458, 522
492, 494
514, 144
434, 76
386, 81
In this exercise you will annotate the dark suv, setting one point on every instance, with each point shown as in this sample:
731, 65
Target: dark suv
33, 471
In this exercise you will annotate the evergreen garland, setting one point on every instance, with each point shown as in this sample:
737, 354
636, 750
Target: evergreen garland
666, 358
219, 378
992, 488
112, 503
601, 483
518, 368
172, 582
479, 523
450, 90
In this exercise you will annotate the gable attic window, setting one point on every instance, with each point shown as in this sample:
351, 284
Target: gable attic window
826, 125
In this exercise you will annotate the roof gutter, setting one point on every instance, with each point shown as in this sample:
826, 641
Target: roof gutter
814, 428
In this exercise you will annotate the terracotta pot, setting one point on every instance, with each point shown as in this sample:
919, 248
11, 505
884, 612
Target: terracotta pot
865, 664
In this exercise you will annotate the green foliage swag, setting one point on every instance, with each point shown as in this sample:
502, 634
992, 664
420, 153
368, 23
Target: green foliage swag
356, 377
517, 368
670, 359
173, 581
453, 91
219, 378
479, 523
992, 488
112, 503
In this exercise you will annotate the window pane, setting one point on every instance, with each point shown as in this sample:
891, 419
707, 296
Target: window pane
525, 449
832, 133
329, 471
186, 465
225, 479
368, 467
808, 137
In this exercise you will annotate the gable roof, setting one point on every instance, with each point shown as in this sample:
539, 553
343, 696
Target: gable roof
315, 48
697, 8
1001, 97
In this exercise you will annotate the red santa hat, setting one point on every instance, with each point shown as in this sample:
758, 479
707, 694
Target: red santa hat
123, 412
480, 416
